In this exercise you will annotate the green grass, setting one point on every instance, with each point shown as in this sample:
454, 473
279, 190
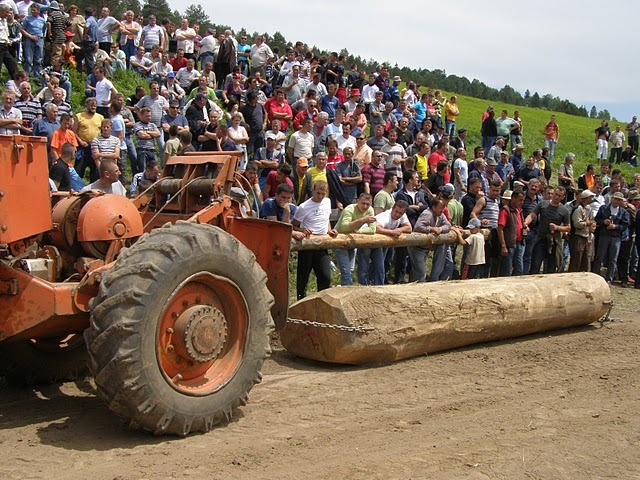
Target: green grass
576, 133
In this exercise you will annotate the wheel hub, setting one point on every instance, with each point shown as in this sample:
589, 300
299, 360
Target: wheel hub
201, 333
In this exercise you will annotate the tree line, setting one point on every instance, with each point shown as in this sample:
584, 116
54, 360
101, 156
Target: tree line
435, 78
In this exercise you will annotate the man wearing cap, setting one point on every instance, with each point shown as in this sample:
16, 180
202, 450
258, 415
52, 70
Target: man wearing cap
505, 169
268, 158
582, 228
474, 251
352, 102
490, 172
57, 26
612, 221
511, 235
302, 181
516, 158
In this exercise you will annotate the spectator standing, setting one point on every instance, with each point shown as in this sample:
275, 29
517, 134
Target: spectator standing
312, 218
146, 133
612, 220
632, 133
34, 29
106, 26
603, 132
617, 140
551, 136
57, 26
553, 221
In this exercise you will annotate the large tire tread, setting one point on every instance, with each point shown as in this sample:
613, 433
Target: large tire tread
115, 334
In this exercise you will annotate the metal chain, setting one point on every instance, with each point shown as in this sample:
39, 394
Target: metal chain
606, 316
342, 328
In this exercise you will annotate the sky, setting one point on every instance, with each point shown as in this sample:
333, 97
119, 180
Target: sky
585, 51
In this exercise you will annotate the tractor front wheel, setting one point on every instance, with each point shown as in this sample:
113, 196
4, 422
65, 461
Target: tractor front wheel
180, 329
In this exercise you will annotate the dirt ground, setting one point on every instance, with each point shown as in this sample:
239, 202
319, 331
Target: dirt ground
561, 405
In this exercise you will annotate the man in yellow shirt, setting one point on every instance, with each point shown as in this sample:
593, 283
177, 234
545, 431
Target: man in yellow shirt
87, 127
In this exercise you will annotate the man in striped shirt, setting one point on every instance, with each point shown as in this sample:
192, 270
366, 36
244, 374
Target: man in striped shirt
105, 146
30, 108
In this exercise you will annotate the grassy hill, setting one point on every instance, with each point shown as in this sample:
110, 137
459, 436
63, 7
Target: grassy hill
576, 133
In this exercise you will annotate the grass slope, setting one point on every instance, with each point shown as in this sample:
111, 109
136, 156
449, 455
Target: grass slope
576, 133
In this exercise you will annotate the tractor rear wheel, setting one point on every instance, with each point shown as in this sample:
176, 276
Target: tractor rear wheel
179, 329
43, 361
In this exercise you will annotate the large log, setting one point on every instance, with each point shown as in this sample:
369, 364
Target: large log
395, 322
359, 240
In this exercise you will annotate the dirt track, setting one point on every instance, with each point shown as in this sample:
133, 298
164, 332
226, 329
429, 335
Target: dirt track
564, 405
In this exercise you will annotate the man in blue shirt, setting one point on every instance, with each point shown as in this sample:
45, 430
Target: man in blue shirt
280, 207
33, 30
329, 103
88, 41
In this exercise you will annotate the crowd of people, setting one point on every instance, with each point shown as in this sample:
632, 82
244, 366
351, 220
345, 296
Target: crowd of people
326, 147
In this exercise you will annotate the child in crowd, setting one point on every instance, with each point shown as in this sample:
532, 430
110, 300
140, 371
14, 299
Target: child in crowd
475, 248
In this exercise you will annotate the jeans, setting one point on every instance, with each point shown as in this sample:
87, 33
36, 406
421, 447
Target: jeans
448, 266
608, 250
143, 155
529, 241
615, 155
129, 50
371, 266
8, 60
512, 264
543, 253
400, 265
160, 143
320, 262
439, 262
624, 260
418, 258
343, 259
487, 143
633, 141
450, 128
84, 160
515, 139
550, 143
132, 155
87, 50
33, 53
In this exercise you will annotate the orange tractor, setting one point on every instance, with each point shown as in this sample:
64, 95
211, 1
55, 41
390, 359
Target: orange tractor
168, 298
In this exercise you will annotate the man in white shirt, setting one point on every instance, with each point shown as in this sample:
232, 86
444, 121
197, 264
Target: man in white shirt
108, 181
10, 116
104, 90
185, 37
260, 54
312, 218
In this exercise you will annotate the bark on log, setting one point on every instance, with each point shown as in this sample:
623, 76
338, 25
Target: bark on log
411, 320
359, 240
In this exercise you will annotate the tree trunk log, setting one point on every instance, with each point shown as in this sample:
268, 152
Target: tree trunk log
411, 320
359, 240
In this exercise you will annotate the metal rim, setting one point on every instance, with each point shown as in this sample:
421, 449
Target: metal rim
202, 334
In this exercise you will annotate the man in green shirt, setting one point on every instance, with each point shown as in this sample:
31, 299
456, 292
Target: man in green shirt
355, 218
384, 198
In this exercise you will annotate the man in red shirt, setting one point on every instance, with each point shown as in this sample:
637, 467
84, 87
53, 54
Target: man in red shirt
334, 157
551, 136
373, 174
179, 61
510, 234
275, 178
438, 156
278, 108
